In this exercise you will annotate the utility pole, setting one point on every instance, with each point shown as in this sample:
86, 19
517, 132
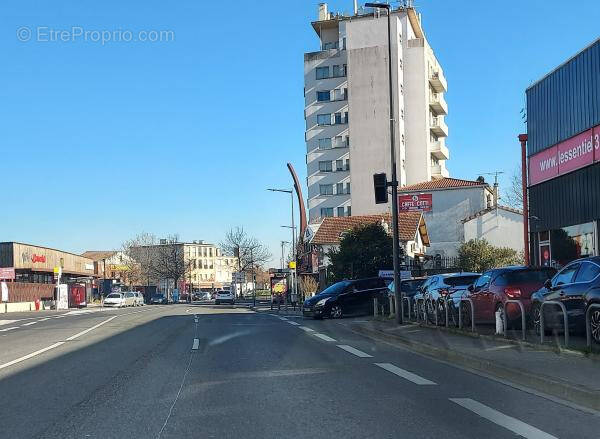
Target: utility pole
394, 182
253, 278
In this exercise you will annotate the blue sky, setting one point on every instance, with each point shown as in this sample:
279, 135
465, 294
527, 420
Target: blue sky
102, 141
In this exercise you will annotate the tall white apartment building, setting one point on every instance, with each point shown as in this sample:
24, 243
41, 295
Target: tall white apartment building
347, 109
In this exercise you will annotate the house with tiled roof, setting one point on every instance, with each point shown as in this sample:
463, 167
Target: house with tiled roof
324, 235
463, 210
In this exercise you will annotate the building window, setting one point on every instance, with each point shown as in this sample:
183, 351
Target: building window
323, 119
338, 118
322, 72
346, 117
344, 70
347, 140
347, 164
339, 188
326, 189
340, 211
339, 165
349, 210
325, 143
323, 96
325, 166
336, 71
348, 189
326, 211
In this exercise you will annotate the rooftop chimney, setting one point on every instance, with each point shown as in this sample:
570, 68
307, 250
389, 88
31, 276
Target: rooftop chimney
323, 14
496, 195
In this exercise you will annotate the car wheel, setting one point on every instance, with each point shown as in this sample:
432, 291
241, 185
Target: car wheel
595, 325
536, 318
430, 310
336, 312
466, 315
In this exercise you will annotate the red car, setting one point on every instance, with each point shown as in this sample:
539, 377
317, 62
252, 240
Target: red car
494, 287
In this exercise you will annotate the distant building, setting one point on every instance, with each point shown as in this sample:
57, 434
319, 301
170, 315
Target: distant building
326, 235
463, 210
347, 109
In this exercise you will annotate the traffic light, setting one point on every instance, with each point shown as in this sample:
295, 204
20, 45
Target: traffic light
380, 184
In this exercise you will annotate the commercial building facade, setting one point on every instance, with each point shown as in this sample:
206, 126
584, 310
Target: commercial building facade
347, 109
563, 149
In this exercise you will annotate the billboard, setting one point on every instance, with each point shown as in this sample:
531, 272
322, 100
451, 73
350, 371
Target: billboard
415, 202
7, 273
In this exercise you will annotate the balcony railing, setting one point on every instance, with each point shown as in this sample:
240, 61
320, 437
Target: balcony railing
440, 151
438, 104
438, 81
439, 127
439, 171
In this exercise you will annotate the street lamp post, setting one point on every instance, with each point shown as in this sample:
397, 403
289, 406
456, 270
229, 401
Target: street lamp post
293, 227
394, 182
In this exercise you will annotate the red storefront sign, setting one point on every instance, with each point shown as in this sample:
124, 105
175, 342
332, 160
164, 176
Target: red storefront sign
7, 273
416, 202
38, 258
567, 156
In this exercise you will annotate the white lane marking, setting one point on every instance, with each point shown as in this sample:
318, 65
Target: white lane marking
79, 334
405, 374
512, 424
293, 323
497, 348
7, 322
196, 344
29, 324
33, 354
354, 351
324, 337
44, 319
9, 329
58, 317
283, 318
413, 331
306, 328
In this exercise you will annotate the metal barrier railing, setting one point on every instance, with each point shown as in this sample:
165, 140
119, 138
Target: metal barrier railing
588, 327
466, 299
505, 317
420, 299
565, 320
407, 301
445, 299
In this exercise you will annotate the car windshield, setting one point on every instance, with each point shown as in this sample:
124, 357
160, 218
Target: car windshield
113, 296
527, 276
410, 285
335, 289
456, 281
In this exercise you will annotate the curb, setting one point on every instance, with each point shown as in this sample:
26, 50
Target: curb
542, 384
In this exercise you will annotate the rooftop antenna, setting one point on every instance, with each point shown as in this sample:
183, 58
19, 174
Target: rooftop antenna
495, 174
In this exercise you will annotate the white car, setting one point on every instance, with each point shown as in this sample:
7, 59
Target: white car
115, 299
129, 298
139, 298
224, 297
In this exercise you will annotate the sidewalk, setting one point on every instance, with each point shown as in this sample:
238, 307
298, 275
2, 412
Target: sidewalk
568, 375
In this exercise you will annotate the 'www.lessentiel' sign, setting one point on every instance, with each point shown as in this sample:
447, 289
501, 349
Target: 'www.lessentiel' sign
574, 153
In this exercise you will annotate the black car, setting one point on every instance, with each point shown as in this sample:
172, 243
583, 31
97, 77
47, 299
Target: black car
409, 288
439, 286
576, 286
348, 297
159, 299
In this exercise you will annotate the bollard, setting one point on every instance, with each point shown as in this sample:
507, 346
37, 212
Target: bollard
446, 309
408, 302
565, 320
392, 306
523, 322
466, 299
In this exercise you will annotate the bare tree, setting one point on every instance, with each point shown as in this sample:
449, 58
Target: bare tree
138, 253
251, 252
514, 192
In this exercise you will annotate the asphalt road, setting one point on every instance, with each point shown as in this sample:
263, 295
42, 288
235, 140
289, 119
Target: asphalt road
161, 372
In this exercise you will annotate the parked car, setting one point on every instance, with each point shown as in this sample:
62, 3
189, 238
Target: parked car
159, 299
224, 296
139, 298
348, 297
493, 288
576, 286
439, 286
129, 298
409, 288
116, 300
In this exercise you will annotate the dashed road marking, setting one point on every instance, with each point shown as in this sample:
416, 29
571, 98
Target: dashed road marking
354, 351
283, 318
323, 337
497, 348
306, 328
9, 329
44, 319
405, 374
512, 424
293, 323
29, 324
195, 344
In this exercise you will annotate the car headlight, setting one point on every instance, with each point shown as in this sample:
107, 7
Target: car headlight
322, 301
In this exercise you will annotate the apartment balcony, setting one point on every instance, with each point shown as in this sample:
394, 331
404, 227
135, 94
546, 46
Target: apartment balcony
440, 151
438, 104
438, 81
439, 127
439, 171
